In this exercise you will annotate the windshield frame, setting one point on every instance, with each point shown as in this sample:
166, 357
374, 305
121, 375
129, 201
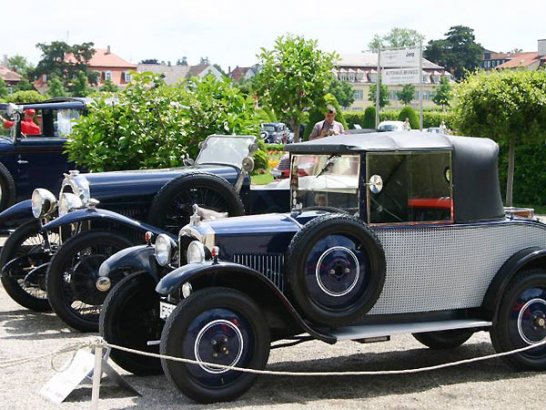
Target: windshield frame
250, 140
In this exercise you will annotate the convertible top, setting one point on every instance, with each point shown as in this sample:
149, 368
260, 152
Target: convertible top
476, 190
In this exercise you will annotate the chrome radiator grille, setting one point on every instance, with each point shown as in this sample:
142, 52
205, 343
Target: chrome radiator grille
269, 265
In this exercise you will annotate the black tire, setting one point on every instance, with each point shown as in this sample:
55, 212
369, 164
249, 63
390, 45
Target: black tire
7, 188
446, 339
72, 274
130, 318
521, 316
25, 240
193, 317
172, 206
351, 274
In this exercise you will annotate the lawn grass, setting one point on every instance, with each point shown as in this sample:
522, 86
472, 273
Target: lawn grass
261, 179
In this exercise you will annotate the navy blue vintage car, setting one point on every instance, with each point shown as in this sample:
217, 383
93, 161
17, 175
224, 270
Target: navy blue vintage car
32, 139
98, 214
390, 233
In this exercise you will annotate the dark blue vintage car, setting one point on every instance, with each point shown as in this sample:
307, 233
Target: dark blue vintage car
390, 233
36, 159
98, 214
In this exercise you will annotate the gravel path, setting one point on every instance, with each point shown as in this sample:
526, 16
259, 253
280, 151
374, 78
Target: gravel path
484, 385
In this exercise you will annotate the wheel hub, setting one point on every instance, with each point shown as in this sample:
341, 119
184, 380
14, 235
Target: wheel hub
103, 284
337, 271
84, 278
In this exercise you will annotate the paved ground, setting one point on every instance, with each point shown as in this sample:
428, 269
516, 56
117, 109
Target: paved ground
487, 385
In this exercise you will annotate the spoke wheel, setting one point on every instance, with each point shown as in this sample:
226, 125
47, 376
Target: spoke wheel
24, 249
218, 326
73, 273
521, 320
130, 318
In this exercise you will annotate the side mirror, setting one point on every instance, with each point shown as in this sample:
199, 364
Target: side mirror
188, 162
375, 184
253, 148
248, 165
201, 145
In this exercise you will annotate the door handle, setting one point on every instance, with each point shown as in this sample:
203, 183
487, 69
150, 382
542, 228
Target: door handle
22, 161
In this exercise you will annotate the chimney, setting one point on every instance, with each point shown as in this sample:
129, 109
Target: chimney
229, 69
107, 49
542, 47
5, 60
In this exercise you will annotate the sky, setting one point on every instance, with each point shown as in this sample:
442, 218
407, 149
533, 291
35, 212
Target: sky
232, 32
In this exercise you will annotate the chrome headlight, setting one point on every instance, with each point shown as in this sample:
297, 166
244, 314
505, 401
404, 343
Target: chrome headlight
68, 202
195, 252
163, 249
43, 202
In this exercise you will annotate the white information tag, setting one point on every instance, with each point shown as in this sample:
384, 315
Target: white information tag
165, 309
61, 385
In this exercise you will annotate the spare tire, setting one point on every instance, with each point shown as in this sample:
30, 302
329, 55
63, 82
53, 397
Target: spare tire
172, 206
335, 270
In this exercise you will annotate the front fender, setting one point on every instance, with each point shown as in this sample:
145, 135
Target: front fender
526, 258
241, 277
101, 215
140, 258
16, 215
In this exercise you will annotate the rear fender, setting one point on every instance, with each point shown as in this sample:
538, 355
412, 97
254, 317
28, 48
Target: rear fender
16, 266
140, 258
528, 258
278, 308
102, 216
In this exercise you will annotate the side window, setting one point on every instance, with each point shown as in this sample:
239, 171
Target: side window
416, 187
63, 120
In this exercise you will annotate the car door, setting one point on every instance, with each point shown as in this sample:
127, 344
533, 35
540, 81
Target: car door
40, 159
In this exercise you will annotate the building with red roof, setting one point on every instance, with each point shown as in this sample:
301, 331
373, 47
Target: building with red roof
529, 60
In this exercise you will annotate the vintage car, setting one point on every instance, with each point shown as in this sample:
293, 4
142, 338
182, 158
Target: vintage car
390, 233
36, 159
34, 260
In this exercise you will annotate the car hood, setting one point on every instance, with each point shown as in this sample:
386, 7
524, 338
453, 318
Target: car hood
108, 185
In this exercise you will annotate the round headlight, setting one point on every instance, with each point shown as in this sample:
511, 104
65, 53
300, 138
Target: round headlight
195, 252
43, 202
163, 250
68, 202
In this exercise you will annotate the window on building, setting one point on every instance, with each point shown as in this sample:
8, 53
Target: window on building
126, 76
107, 75
359, 95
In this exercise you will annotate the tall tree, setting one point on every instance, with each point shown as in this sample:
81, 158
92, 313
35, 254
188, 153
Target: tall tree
458, 52
342, 90
4, 91
80, 86
56, 87
182, 61
397, 37
443, 93
294, 77
507, 106
150, 61
65, 61
20, 64
383, 95
204, 60
406, 94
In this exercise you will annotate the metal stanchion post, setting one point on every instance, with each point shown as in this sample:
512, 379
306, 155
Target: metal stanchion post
97, 374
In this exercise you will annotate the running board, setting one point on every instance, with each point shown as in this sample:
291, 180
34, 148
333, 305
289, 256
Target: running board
368, 331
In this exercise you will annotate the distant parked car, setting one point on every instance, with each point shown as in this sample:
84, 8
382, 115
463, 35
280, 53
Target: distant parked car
275, 133
30, 160
434, 130
385, 126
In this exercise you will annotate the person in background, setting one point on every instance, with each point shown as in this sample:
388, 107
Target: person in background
28, 126
329, 126
407, 126
443, 128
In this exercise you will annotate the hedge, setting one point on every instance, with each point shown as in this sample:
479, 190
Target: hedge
430, 118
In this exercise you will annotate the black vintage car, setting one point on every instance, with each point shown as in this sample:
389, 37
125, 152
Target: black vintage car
57, 253
32, 138
390, 233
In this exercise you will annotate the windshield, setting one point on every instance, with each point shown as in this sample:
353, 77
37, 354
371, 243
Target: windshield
325, 181
7, 128
388, 127
229, 150
269, 128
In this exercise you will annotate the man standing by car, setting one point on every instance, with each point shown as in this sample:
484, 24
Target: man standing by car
28, 126
327, 127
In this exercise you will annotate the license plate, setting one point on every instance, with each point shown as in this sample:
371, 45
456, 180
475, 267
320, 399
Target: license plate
165, 309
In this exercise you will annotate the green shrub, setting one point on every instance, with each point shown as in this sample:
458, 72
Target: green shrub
20, 97
353, 118
409, 113
369, 118
274, 147
390, 115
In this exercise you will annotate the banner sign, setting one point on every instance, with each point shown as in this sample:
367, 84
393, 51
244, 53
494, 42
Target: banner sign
400, 58
400, 76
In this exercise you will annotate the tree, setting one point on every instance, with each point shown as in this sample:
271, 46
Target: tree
369, 118
396, 38
109, 86
56, 87
383, 95
343, 92
406, 94
150, 61
295, 75
4, 91
182, 61
20, 64
24, 85
204, 61
65, 61
507, 106
443, 93
458, 52
80, 86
